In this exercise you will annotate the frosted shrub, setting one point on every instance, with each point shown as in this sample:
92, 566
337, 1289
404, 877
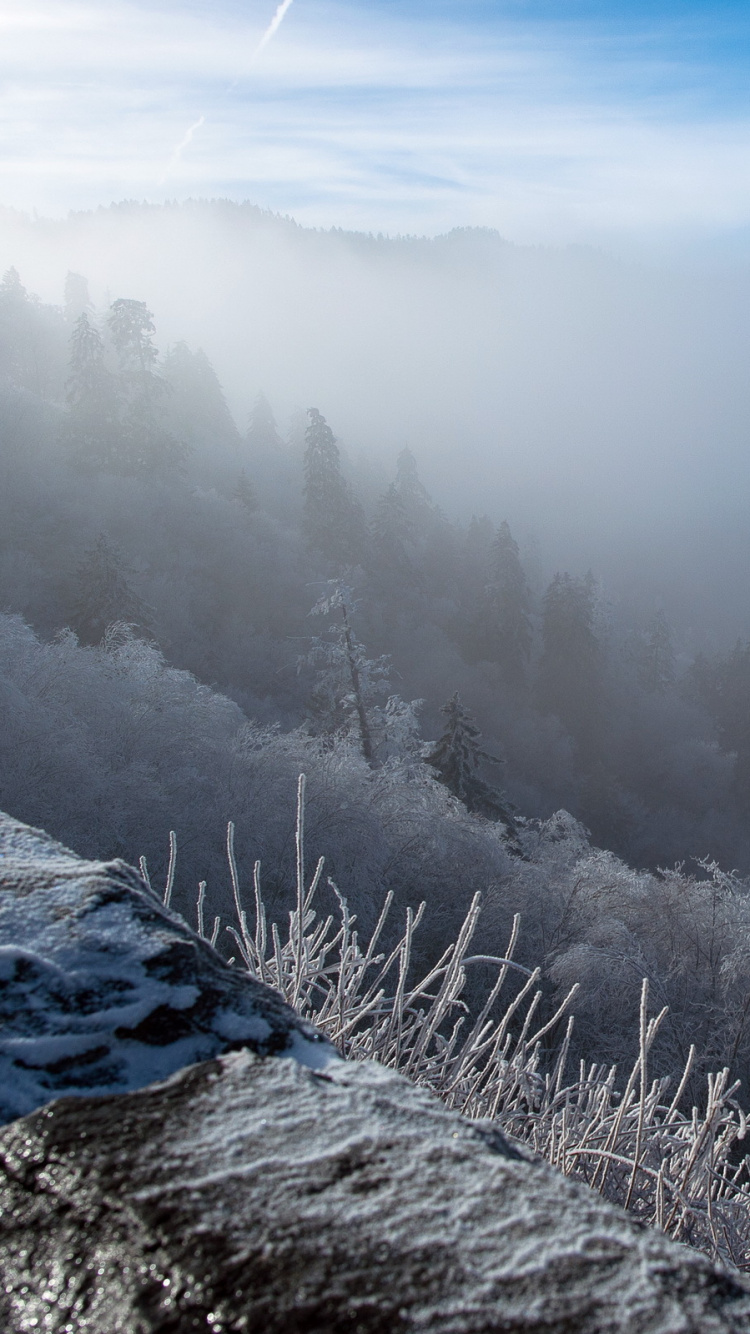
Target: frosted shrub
594, 921
634, 1142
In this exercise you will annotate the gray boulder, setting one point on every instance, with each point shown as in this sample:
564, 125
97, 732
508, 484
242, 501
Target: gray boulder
103, 990
255, 1194
245, 1192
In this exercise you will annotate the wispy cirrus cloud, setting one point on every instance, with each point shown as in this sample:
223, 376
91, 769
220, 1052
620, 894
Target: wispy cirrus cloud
410, 118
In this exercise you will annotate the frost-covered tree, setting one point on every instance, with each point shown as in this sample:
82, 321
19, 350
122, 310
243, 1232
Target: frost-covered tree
348, 682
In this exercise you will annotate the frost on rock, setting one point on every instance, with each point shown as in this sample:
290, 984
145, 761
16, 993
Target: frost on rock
103, 990
249, 1194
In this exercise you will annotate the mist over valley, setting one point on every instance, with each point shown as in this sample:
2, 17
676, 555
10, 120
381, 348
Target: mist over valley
598, 403
375, 638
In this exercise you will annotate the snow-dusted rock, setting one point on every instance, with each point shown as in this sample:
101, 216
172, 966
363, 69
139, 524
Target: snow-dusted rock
103, 990
259, 1195
303, 1196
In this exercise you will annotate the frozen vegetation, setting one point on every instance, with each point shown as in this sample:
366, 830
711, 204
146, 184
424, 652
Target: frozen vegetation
196, 611
501, 1059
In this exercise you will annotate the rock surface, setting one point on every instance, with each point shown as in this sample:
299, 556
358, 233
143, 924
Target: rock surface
303, 1196
256, 1194
103, 990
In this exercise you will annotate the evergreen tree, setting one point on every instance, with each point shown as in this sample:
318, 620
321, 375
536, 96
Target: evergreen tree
131, 325
509, 604
32, 339
477, 546
431, 538
145, 445
457, 757
722, 686
333, 519
105, 596
262, 434
391, 539
76, 299
244, 492
655, 656
13, 294
472, 604
570, 672
414, 495
196, 409
15, 321
91, 428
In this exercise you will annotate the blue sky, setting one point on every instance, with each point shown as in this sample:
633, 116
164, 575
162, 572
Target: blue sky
552, 121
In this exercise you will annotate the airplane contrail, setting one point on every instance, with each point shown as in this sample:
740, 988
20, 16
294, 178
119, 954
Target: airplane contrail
179, 148
268, 35
272, 28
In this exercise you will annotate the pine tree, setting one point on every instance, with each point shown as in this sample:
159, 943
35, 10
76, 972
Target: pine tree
145, 445
15, 312
333, 519
391, 538
131, 324
414, 495
76, 299
472, 618
262, 434
196, 409
655, 656
244, 492
457, 757
432, 546
722, 686
13, 294
105, 596
571, 669
477, 547
509, 604
91, 428
493, 621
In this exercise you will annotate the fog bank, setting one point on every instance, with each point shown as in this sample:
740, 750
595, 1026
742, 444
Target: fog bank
600, 404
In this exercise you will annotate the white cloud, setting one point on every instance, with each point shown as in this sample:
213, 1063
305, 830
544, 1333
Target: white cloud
348, 120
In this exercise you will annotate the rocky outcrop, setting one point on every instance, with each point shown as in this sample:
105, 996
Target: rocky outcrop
103, 990
255, 1194
244, 1192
